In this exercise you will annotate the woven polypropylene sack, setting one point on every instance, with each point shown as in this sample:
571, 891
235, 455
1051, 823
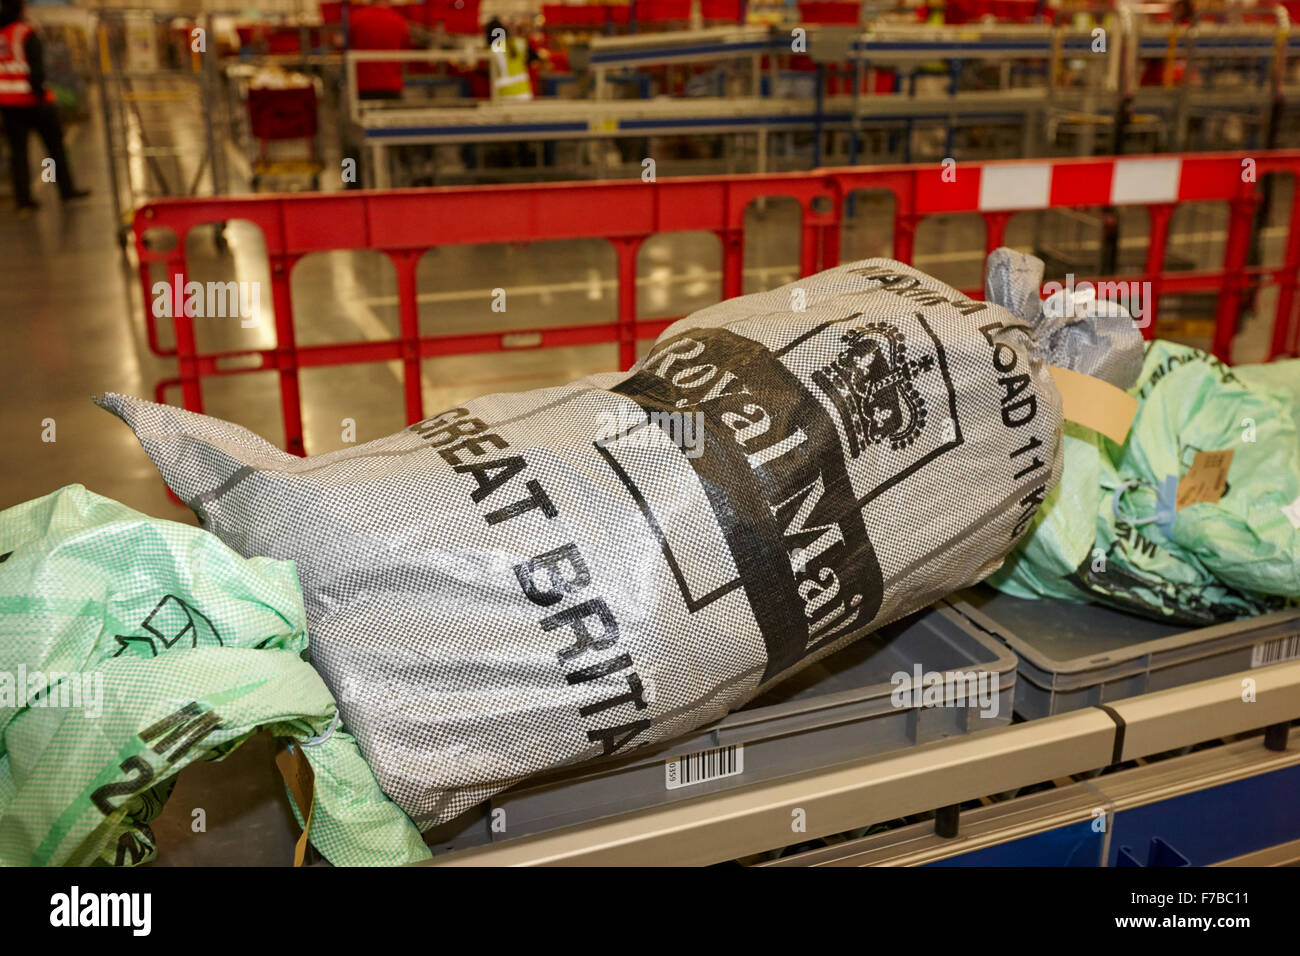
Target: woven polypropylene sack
129, 649
542, 578
1280, 379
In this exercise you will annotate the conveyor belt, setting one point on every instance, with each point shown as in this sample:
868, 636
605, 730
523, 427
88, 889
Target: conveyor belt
580, 118
1061, 825
748, 820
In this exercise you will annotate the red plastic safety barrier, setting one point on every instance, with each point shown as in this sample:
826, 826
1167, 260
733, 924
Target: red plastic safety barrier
405, 224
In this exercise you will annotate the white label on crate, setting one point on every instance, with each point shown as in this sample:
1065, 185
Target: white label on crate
704, 766
1275, 651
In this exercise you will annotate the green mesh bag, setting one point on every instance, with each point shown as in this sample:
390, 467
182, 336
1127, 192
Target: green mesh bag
132, 647
1111, 531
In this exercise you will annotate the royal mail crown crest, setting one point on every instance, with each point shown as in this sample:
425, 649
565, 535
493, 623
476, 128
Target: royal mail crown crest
872, 383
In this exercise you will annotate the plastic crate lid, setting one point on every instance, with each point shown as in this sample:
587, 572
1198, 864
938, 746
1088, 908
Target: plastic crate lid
1076, 638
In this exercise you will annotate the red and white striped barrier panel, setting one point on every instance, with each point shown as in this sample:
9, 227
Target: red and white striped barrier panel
405, 224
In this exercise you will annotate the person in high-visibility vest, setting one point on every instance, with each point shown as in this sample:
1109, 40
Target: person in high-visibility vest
510, 58
27, 106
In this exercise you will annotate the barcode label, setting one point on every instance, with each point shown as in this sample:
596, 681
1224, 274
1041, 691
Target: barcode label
704, 766
1272, 652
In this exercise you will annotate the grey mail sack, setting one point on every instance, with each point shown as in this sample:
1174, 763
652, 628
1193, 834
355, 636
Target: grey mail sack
547, 577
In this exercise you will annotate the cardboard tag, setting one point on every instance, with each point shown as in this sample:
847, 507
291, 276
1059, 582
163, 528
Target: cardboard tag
1095, 404
296, 770
1206, 479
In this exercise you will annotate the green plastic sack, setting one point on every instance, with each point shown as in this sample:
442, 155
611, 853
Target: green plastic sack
1110, 531
132, 647
1282, 379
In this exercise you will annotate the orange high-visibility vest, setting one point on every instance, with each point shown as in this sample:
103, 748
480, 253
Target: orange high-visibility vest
15, 71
